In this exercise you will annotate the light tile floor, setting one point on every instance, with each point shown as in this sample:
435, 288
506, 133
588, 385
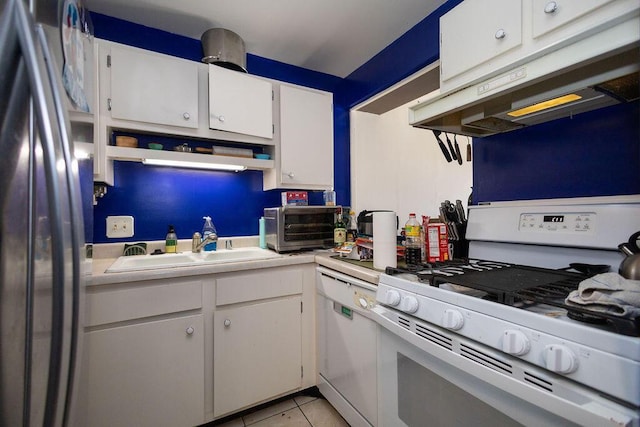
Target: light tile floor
299, 411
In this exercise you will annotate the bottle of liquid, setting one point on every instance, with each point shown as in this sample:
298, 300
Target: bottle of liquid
413, 245
171, 241
352, 232
262, 233
339, 230
209, 228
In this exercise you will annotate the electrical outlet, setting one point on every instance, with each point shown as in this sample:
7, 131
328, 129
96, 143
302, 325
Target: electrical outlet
119, 226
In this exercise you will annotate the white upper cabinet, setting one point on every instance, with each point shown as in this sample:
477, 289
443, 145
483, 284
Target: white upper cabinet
153, 88
240, 103
304, 155
475, 32
480, 39
570, 17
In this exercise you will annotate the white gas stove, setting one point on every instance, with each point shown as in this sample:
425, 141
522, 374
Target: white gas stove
498, 299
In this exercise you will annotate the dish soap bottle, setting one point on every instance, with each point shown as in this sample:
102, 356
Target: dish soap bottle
207, 229
171, 241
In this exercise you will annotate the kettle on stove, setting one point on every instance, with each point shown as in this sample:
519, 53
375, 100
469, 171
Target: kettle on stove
630, 266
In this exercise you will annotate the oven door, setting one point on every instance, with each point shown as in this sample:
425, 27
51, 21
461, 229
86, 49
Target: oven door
430, 376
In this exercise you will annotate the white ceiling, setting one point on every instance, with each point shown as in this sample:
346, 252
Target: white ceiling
331, 36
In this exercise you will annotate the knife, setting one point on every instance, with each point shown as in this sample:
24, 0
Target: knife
453, 152
458, 155
442, 147
460, 210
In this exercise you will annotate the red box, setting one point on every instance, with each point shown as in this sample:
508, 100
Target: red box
298, 198
437, 242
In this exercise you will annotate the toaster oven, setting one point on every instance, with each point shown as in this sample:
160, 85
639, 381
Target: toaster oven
294, 228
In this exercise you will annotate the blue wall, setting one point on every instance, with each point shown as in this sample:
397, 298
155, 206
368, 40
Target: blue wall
592, 154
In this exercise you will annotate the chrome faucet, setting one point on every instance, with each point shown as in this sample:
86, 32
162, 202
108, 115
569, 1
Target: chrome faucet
197, 244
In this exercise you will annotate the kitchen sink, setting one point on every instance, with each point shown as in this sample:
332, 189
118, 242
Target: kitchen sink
233, 255
186, 259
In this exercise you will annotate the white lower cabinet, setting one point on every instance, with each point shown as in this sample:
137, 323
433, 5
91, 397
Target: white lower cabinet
147, 374
143, 355
185, 351
263, 336
257, 353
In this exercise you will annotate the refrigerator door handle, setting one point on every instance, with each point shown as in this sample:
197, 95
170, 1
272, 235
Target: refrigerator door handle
69, 174
63, 202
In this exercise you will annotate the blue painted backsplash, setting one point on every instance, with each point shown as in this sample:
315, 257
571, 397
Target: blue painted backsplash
158, 196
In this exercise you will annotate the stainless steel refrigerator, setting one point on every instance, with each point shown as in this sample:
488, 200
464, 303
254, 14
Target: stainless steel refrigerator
43, 78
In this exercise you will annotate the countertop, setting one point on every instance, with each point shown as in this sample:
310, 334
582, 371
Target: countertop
359, 272
321, 257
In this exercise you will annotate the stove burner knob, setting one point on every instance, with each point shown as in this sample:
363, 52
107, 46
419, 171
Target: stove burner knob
561, 359
452, 319
393, 297
409, 304
515, 342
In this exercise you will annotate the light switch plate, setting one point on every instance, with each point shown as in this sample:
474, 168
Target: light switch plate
119, 226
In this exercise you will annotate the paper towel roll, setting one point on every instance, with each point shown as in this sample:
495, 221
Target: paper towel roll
384, 240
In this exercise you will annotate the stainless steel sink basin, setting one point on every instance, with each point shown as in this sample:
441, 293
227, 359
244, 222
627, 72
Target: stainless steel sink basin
187, 259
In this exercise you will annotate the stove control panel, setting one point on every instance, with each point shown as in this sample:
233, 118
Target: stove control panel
573, 223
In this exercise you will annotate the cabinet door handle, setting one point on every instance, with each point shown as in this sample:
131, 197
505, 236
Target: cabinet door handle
190, 330
551, 7
227, 323
290, 175
186, 116
500, 34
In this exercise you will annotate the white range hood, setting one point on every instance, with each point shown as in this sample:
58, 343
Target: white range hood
602, 70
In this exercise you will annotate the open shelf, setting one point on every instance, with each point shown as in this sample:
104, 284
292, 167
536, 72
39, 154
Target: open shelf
141, 154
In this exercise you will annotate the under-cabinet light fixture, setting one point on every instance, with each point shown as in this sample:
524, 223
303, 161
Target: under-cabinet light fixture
545, 105
193, 165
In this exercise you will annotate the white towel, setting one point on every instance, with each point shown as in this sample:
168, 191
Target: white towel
608, 293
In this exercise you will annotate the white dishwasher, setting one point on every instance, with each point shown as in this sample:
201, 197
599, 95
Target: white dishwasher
347, 371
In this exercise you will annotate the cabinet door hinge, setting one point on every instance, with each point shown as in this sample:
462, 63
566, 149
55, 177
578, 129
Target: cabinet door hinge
109, 104
273, 96
301, 371
108, 61
301, 307
273, 129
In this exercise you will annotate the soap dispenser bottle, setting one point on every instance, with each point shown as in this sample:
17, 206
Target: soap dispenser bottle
171, 241
207, 229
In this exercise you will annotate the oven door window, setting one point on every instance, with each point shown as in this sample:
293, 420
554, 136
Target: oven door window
447, 404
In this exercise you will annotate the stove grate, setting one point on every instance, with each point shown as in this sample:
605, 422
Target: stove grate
520, 285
